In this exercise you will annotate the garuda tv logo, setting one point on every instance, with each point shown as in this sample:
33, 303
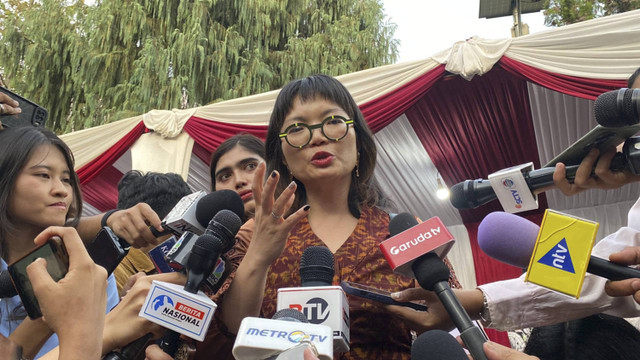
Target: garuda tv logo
181, 312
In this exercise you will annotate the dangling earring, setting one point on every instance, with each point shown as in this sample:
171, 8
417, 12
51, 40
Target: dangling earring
357, 162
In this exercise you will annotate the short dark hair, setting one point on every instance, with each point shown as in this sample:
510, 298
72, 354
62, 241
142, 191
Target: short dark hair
16, 147
250, 142
596, 337
633, 78
160, 191
364, 189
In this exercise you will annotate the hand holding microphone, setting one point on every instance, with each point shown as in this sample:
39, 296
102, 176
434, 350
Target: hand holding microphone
627, 287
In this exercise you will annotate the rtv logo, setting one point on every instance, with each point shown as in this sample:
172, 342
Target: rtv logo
316, 310
507, 183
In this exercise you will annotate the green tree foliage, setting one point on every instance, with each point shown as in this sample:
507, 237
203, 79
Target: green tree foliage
564, 12
92, 64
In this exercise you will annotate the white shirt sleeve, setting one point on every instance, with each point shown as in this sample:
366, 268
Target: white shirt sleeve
514, 304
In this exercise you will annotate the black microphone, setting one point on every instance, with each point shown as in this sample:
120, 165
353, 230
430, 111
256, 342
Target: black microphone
618, 108
200, 263
437, 345
316, 266
202, 259
470, 194
7, 290
433, 274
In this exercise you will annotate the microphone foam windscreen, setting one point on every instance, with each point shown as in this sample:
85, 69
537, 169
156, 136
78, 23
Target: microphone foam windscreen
207, 244
457, 196
229, 220
401, 222
316, 266
429, 270
290, 315
617, 108
212, 203
7, 289
508, 238
437, 345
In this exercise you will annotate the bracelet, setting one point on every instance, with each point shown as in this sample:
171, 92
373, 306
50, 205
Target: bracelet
485, 316
106, 215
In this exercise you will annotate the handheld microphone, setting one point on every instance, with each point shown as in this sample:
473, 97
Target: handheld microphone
321, 302
618, 108
280, 337
186, 310
201, 262
204, 210
437, 345
7, 290
194, 211
511, 239
409, 241
433, 274
471, 194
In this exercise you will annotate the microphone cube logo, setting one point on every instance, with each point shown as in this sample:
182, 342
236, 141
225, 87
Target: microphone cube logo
507, 183
562, 252
171, 307
316, 310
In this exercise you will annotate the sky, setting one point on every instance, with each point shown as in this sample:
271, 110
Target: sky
425, 27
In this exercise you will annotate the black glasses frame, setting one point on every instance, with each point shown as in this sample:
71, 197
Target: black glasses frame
316, 126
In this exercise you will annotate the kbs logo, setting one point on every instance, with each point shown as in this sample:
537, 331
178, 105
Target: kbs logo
316, 310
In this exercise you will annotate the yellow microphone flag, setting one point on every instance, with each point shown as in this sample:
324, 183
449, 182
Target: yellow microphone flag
562, 252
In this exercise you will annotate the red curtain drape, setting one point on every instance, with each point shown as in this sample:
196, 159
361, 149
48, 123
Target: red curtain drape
97, 165
384, 110
102, 191
570, 85
471, 129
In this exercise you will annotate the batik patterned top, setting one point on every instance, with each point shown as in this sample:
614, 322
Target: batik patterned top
374, 332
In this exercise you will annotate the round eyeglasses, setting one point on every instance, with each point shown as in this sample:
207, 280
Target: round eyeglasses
334, 128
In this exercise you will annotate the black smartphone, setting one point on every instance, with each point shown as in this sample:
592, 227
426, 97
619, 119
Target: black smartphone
107, 250
599, 137
32, 114
378, 295
55, 253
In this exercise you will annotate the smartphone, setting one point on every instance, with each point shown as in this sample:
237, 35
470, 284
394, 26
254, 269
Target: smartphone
599, 137
378, 295
107, 250
32, 114
55, 253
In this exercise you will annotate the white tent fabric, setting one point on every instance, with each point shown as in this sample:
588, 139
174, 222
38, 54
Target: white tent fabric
599, 49
604, 48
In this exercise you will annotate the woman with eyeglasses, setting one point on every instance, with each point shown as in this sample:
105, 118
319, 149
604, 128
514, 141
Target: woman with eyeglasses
320, 191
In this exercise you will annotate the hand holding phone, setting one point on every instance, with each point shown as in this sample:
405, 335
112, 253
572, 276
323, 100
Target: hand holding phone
73, 307
16, 111
378, 295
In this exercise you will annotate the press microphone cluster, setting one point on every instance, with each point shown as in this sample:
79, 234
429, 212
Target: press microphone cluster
321, 302
430, 271
186, 310
511, 239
